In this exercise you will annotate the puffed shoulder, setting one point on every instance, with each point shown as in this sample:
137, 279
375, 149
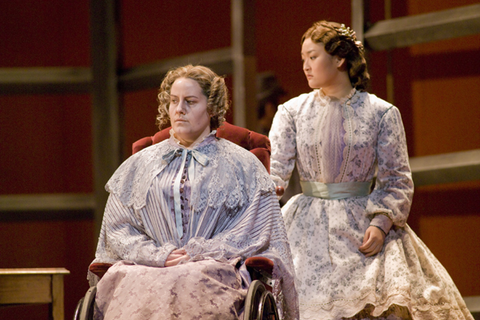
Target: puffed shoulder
130, 182
293, 105
380, 105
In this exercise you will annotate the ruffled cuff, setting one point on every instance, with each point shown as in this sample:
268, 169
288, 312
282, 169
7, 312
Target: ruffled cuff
383, 222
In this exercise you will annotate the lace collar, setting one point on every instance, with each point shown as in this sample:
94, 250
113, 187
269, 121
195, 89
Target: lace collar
207, 139
325, 100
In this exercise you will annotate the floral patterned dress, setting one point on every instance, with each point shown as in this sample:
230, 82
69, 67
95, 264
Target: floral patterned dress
351, 142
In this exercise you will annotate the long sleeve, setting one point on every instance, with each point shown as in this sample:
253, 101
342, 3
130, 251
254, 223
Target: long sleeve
283, 139
123, 237
394, 185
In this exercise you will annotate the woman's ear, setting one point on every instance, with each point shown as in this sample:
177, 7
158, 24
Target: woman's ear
340, 62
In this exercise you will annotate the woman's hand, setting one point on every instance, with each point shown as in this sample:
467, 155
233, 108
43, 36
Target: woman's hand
175, 257
372, 242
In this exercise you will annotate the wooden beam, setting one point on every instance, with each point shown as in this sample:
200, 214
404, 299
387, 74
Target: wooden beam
446, 168
59, 80
473, 304
244, 63
107, 121
358, 18
150, 76
422, 28
46, 202
46, 80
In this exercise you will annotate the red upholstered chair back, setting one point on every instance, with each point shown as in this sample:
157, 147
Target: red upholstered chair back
256, 143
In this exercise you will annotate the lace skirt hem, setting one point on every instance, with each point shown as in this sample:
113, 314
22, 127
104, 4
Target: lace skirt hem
397, 307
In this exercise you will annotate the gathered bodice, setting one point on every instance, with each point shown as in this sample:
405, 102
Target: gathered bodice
332, 141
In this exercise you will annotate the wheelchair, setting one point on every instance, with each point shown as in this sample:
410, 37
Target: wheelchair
259, 303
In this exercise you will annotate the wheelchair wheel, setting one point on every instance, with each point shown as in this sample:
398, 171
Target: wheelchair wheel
76, 315
85, 306
259, 303
267, 307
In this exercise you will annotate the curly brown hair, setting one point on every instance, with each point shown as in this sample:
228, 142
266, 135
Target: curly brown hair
341, 41
213, 87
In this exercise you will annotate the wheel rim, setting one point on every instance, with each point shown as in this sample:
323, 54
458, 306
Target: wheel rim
254, 295
267, 308
76, 315
86, 310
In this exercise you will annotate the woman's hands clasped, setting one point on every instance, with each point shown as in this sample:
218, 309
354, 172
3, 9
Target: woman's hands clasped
175, 257
372, 242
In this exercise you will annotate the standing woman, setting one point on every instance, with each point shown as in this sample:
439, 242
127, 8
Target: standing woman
354, 255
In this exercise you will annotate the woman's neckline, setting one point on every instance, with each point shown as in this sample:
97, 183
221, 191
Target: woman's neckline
195, 144
325, 98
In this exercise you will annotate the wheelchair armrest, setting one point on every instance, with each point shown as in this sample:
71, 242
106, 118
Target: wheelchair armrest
99, 269
260, 263
261, 268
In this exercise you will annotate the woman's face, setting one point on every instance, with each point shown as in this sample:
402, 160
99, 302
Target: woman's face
320, 68
188, 111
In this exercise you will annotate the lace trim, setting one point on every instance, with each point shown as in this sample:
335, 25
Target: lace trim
325, 99
350, 138
133, 178
350, 127
284, 290
196, 143
232, 186
345, 308
322, 102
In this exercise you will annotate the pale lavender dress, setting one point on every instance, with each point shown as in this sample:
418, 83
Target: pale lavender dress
215, 200
344, 144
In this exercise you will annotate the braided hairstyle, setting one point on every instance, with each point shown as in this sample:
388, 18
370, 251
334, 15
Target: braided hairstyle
341, 41
212, 85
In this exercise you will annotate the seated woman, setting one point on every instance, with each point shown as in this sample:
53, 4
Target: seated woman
184, 214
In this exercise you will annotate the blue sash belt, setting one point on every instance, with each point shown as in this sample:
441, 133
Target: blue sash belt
335, 191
